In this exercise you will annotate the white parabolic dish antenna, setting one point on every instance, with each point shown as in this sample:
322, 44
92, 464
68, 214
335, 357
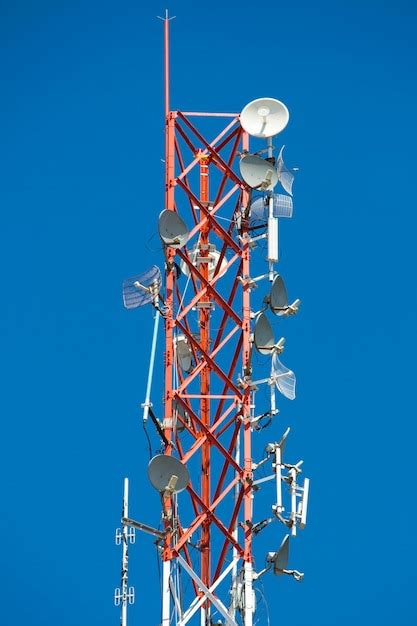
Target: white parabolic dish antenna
172, 229
162, 468
264, 117
258, 173
263, 335
214, 257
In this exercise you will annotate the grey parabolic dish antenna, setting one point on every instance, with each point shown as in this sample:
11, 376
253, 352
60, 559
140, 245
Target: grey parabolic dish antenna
258, 173
263, 335
162, 468
172, 230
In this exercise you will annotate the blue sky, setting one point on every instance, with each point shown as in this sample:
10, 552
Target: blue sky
81, 187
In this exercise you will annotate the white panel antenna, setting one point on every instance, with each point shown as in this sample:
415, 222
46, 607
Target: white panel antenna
142, 289
286, 178
283, 377
264, 117
283, 205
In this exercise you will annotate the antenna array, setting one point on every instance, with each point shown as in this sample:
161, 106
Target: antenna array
219, 206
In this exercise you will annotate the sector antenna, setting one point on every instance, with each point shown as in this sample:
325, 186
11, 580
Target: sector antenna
216, 381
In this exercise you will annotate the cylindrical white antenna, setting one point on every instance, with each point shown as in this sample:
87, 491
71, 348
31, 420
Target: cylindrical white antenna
293, 489
278, 462
272, 224
272, 234
147, 404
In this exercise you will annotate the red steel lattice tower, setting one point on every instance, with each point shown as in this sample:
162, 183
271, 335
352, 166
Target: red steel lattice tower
208, 416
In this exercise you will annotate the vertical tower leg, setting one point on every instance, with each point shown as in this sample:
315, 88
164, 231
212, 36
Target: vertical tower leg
166, 594
204, 323
248, 611
123, 614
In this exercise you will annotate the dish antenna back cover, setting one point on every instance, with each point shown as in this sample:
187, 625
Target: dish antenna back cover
139, 290
278, 298
281, 557
258, 173
172, 229
184, 353
264, 117
263, 335
162, 468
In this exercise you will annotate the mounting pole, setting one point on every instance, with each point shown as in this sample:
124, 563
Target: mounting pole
125, 557
272, 225
169, 353
204, 323
166, 593
147, 404
166, 62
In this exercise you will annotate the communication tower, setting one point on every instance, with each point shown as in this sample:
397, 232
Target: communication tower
220, 220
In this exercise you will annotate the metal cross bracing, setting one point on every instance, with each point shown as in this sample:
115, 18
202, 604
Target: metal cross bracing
207, 414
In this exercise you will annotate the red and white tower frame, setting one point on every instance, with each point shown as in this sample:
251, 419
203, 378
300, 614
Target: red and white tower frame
208, 417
